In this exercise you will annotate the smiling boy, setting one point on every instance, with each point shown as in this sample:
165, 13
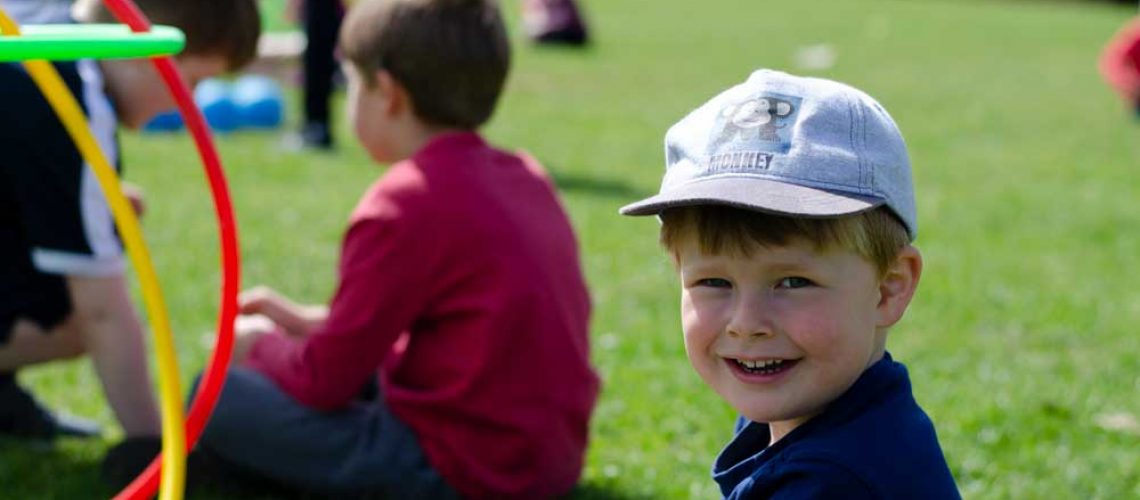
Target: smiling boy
788, 208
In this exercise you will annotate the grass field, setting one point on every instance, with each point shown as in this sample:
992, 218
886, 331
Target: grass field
1021, 344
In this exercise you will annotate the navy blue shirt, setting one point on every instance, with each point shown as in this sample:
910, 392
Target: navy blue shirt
873, 441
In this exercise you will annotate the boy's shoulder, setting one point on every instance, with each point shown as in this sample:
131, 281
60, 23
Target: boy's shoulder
456, 171
459, 161
873, 439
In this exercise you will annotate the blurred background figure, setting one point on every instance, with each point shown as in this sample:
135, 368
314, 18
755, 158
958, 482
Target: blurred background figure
1120, 64
320, 20
554, 22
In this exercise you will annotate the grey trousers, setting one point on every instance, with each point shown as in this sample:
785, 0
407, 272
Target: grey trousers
362, 449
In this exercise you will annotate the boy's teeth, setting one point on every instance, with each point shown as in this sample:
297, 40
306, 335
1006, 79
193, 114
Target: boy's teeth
768, 366
759, 364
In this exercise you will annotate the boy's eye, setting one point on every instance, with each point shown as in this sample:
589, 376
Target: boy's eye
714, 283
794, 282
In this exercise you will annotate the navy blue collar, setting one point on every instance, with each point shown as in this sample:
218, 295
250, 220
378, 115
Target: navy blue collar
749, 449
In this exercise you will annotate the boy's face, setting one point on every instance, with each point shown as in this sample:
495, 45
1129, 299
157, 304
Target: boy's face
782, 333
196, 68
139, 93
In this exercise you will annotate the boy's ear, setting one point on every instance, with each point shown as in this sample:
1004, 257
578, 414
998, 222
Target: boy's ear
898, 285
396, 98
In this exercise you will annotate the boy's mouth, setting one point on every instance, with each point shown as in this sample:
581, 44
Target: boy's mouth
764, 366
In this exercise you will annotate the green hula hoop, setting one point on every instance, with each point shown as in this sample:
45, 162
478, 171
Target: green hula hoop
68, 42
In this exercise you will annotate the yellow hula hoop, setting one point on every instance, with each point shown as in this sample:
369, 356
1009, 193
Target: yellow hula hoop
65, 105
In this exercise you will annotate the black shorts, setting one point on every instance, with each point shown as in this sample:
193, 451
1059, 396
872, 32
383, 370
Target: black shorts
27, 292
54, 220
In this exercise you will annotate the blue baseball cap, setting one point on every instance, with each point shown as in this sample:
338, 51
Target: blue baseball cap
789, 145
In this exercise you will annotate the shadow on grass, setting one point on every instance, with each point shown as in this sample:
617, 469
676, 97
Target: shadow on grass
267, 492
592, 491
67, 469
71, 469
595, 186
568, 50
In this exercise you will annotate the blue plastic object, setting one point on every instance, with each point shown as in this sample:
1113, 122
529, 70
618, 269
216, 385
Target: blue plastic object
213, 97
252, 101
258, 102
169, 121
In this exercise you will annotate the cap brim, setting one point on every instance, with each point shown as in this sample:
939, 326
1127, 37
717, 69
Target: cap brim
754, 193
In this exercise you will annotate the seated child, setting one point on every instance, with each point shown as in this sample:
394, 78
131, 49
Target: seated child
788, 209
460, 289
63, 285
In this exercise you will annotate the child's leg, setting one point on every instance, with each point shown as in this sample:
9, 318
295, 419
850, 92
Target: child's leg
34, 314
322, 24
365, 448
28, 344
114, 339
24, 342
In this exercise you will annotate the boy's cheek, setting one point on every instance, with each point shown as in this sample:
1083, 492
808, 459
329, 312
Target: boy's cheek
690, 313
697, 350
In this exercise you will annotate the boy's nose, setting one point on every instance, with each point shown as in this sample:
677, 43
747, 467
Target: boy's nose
750, 317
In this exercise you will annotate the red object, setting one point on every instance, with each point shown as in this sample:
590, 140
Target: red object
460, 283
208, 390
1120, 62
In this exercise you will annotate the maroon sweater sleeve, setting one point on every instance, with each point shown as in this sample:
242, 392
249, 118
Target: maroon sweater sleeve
377, 297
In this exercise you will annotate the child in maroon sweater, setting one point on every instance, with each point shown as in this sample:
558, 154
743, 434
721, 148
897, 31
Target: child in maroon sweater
459, 286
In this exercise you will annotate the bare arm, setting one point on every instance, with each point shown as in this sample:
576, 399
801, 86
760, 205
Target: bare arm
113, 336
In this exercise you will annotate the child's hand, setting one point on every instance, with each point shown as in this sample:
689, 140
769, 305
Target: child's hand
261, 300
297, 320
134, 195
247, 329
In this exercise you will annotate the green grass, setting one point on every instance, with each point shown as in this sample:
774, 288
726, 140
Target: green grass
273, 16
1023, 331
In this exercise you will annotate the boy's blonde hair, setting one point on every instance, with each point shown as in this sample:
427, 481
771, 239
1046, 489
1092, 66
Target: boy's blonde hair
877, 235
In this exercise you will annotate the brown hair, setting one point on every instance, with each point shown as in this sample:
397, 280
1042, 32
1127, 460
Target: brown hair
877, 235
452, 56
227, 28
